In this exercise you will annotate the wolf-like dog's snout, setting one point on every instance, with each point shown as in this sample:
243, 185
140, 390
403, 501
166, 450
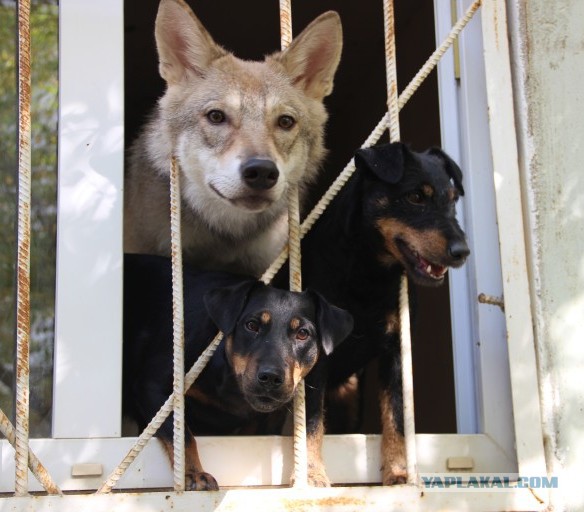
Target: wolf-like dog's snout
260, 173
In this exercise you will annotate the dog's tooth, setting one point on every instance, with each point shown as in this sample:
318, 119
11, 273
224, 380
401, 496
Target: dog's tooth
429, 269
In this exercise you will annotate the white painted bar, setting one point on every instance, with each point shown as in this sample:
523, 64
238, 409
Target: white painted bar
494, 407
521, 346
338, 499
247, 461
87, 371
460, 294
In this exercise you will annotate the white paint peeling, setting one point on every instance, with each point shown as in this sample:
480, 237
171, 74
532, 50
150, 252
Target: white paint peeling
548, 74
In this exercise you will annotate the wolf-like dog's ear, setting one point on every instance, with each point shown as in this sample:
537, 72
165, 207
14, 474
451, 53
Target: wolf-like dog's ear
334, 324
184, 46
386, 161
224, 305
313, 57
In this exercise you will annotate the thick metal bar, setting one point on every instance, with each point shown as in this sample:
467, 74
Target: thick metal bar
404, 307
407, 382
391, 69
23, 250
178, 329
455, 46
285, 24
508, 195
300, 448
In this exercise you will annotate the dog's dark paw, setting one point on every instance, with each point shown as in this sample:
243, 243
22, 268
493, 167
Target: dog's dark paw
200, 481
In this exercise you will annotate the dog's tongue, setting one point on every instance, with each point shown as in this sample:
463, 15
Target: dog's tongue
431, 269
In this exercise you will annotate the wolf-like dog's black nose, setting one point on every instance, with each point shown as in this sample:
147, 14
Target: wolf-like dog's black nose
259, 174
270, 378
459, 250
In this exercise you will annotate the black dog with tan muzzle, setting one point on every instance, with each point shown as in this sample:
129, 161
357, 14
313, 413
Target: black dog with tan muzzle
396, 213
273, 339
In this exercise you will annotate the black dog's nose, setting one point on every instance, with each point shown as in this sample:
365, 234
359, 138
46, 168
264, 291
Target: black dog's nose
260, 174
270, 378
459, 250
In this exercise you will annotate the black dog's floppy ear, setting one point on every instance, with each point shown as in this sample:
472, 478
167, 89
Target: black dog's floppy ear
224, 305
452, 168
386, 161
334, 324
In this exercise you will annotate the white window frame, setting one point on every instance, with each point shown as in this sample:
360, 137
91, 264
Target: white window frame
87, 387
483, 403
88, 310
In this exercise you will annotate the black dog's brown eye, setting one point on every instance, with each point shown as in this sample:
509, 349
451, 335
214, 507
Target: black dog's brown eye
252, 325
415, 198
286, 122
216, 116
302, 334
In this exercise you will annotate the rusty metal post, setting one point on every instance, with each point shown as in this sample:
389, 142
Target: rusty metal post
391, 70
23, 250
300, 448
178, 330
404, 311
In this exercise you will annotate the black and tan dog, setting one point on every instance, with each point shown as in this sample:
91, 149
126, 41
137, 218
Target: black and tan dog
397, 212
273, 338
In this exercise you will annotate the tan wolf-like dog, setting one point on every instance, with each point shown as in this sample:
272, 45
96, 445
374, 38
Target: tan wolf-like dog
242, 133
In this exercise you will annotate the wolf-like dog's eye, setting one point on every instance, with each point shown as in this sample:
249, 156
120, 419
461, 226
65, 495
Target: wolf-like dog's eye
286, 122
252, 325
416, 198
216, 116
302, 334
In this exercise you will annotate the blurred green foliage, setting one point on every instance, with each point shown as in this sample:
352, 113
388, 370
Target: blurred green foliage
44, 49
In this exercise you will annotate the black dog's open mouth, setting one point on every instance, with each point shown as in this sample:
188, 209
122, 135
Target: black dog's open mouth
421, 267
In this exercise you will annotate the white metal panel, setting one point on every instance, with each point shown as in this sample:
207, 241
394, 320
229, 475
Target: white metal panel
460, 295
490, 336
338, 499
87, 371
246, 461
526, 411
